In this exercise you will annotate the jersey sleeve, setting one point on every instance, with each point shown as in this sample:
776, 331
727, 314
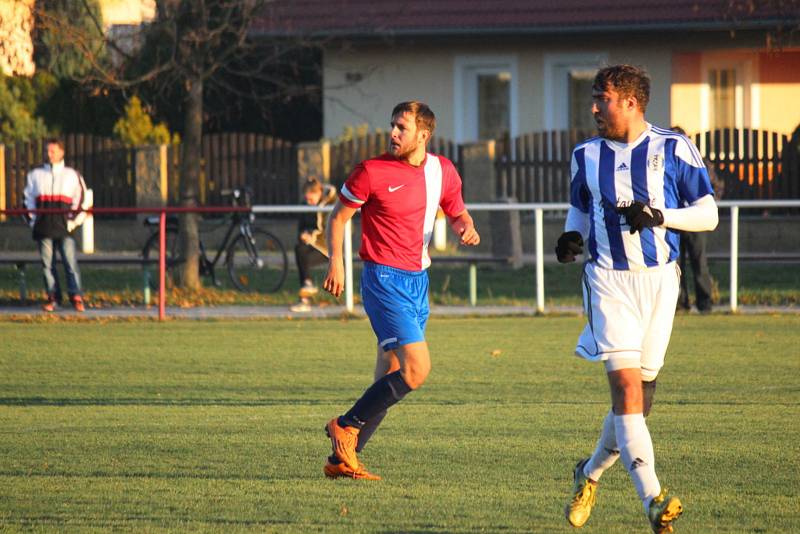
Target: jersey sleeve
452, 202
578, 192
356, 188
690, 172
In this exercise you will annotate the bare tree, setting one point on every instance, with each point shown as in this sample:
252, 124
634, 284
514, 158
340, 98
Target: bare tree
783, 14
191, 47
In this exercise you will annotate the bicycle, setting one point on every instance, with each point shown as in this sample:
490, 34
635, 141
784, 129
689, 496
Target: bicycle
255, 259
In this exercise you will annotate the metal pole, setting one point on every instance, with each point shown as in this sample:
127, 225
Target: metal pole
473, 284
734, 257
539, 212
162, 264
348, 266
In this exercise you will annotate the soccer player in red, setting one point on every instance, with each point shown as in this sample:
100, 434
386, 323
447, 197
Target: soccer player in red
399, 194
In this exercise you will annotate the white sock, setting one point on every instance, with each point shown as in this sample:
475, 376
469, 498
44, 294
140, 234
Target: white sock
636, 449
606, 452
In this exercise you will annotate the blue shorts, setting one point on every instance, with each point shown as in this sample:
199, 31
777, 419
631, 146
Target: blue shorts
396, 302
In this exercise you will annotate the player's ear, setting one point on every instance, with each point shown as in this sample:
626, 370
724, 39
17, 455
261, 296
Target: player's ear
631, 103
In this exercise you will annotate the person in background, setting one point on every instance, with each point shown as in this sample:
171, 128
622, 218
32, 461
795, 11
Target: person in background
693, 251
311, 248
54, 185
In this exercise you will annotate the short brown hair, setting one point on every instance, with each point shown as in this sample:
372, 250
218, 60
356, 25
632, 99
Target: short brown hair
312, 184
627, 80
423, 115
55, 141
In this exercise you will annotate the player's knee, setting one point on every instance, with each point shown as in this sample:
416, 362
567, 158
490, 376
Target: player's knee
626, 393
416, 372
648, 393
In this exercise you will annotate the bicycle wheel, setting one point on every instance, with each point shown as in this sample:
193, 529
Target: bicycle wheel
257, 265
150, 252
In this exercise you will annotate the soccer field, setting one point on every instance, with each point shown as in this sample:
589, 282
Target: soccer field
218, 426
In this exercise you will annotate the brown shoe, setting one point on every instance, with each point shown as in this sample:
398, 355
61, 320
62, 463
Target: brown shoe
343, 440
77, 303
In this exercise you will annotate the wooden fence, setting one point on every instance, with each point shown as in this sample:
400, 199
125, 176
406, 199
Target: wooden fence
536, 167
266, 164
531, 168
106, 165
229, 160
347, 154
750, 163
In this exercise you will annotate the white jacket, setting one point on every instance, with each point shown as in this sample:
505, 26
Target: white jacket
55, 186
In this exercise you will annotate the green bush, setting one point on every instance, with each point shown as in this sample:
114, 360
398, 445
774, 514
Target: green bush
136, 128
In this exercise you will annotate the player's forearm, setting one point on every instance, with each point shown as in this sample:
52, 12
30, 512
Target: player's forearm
461, 220
335, 238
701, 216
577, 221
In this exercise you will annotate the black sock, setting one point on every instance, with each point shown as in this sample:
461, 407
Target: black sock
368, 429
380, 396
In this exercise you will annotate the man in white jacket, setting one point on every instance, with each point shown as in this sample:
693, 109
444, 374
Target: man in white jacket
55, 185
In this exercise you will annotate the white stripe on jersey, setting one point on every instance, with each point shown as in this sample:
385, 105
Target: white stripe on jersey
433, 188
350, 196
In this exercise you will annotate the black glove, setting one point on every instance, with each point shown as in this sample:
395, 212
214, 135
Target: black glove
570, 244
640, 216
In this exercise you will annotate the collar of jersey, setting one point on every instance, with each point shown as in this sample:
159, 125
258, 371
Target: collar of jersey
618, 147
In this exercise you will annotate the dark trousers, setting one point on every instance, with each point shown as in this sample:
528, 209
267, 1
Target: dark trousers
306, 257
693, 247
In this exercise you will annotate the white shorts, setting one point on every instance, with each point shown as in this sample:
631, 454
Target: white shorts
630, 316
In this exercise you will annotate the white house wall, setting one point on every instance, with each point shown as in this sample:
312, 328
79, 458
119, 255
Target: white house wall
428, 73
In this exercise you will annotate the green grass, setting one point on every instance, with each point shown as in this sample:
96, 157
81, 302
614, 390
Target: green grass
759, 284
212, 426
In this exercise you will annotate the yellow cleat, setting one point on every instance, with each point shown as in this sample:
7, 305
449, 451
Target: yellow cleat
343, 441
664, 509
584, 493
333, 470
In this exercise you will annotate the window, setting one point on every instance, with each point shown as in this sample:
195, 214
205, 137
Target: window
494, 105
567, 95
722, 98
580, 99
485, 97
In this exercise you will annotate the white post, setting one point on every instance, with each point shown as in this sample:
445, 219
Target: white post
539, 260
348, 266
734, 256
87, 228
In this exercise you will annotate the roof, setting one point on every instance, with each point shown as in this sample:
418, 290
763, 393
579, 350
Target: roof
365, 18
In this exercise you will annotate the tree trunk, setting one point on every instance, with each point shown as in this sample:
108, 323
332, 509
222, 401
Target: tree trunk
190, 178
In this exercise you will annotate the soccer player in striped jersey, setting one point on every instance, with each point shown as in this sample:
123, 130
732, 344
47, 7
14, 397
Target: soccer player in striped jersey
633, 188
399, 194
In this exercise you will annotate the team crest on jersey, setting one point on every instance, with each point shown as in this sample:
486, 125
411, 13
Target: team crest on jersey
655, 163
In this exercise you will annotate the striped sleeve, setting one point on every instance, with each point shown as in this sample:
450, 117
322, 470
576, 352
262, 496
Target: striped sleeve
356, 188
579, 195
691, 173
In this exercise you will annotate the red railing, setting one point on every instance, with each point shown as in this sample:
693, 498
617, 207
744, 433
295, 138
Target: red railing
162, 212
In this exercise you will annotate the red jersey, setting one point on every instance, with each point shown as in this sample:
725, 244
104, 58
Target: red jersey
398, 207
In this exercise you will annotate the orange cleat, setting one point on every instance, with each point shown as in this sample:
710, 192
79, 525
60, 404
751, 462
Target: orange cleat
343, 440
50, 305
77, 303
333, 470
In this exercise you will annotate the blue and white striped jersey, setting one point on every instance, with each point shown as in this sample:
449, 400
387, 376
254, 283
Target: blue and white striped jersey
661, 168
